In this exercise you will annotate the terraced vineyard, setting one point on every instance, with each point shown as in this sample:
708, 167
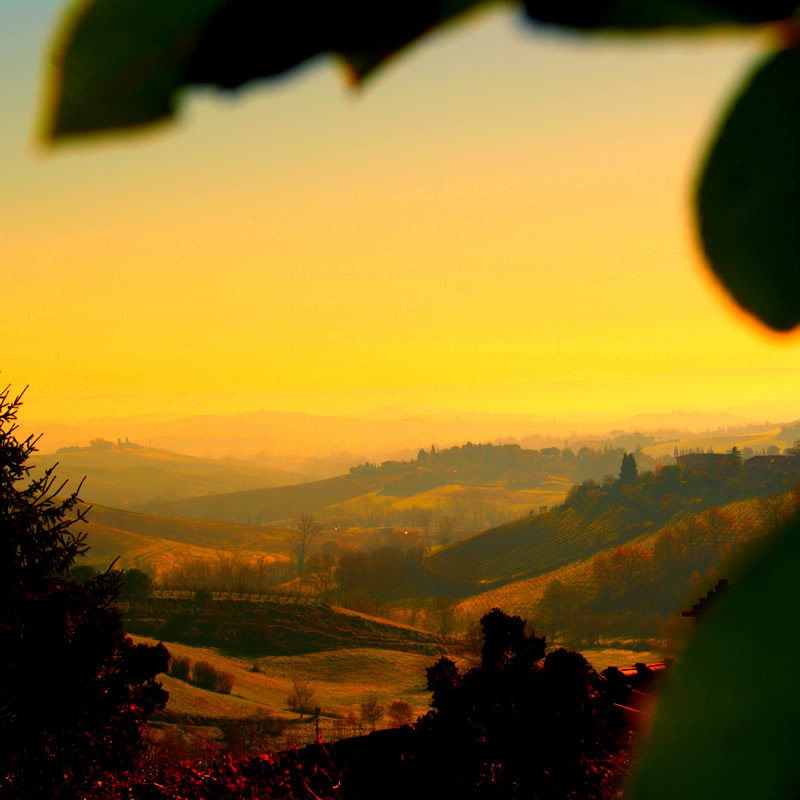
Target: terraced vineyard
535, 545
269, 627
522, 596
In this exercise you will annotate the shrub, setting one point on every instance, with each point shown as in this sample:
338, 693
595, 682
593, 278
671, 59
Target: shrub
225, 682
180, 668
202, 597
207, 677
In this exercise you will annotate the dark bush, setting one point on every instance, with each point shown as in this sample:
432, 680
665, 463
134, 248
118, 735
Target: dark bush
180, 668
207, 677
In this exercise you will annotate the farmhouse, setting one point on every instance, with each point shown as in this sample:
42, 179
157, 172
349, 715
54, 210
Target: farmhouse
710, 463
785, 465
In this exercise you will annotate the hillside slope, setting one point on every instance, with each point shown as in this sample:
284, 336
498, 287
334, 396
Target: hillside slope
523, 596
200, 533
151, 554
271, 504
538, 544
594, 518
270, 627
124, 475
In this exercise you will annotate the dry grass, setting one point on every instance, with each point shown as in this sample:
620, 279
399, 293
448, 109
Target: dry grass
340, 678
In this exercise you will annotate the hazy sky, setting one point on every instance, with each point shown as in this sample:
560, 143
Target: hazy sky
499, 222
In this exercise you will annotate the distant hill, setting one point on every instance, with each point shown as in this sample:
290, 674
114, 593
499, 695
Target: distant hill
126, 474
156, 544
267, 505
594, 518
277, 628
498, 467
201, 533
523, 596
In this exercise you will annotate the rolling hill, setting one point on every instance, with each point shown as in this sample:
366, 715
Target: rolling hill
272, 627
522, 596
538, 544
125, 474
270, 504
157, 544
507, 471
594, 518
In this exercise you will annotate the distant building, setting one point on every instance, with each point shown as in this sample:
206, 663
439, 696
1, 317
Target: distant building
710, 463
785, 465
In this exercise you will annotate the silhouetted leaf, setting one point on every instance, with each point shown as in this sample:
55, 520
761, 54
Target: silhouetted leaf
122, 63
727, 719
749, 194
635, 15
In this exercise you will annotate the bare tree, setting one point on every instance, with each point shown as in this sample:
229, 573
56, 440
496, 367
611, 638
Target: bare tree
306, 530
443, 614
299, 698
445, 529
399, 713
371, 710
324, 573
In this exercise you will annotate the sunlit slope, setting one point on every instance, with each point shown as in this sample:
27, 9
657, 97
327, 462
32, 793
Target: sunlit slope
123, 475
536, 544
271, 627
341, 680
467, 500
266, 505
151, 554
522, 596
201, 533
719, 442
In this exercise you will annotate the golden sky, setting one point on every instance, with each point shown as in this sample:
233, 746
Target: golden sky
498, 222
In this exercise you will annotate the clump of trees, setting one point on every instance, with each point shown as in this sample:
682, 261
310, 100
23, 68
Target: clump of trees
228, 573
207, 676
75, 691
633, 588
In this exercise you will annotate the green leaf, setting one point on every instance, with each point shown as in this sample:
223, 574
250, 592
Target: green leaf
643, 15
123, 63
727, 719
361, 63
120, 63
748, 197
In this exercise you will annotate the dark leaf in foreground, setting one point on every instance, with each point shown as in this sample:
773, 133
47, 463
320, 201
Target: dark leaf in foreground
748, 198
726, 724
123, 63
634, 15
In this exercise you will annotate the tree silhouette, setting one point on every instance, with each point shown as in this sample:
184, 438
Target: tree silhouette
305, 531
74, 690
520, 724
628, 471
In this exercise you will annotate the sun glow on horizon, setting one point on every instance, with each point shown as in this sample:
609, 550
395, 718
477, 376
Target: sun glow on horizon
498, 223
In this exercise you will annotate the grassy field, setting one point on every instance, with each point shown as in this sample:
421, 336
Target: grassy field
157, 544
272, 627
458, 500
341, 680
151, 554
720, 443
